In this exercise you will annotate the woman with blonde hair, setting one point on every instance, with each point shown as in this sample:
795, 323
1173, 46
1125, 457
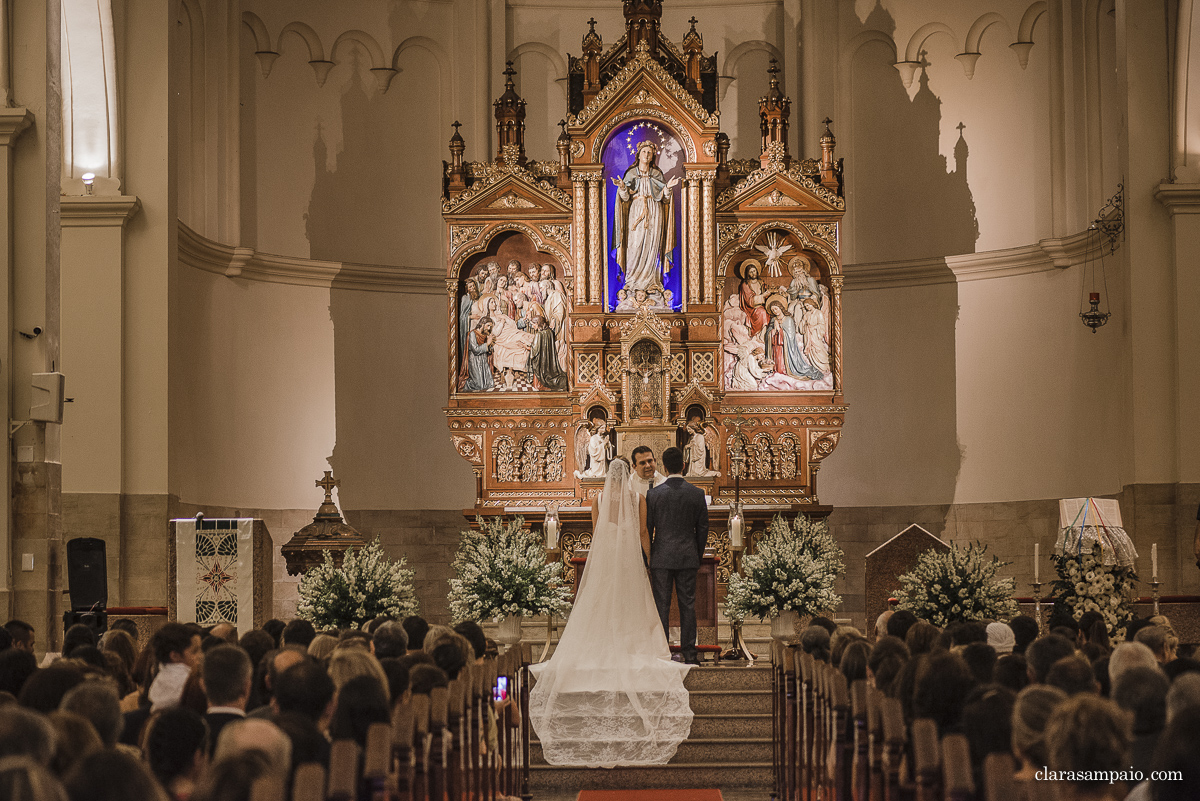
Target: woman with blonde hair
1034, 706
1161, 640
347, 663
322, 646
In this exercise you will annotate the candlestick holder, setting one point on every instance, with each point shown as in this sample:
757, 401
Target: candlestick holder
738, 650
1037, 603
1154, 585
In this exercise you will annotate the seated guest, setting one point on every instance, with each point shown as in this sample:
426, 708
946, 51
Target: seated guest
987, 723
360, 702
1129, 655
74, 738
112, 775
16, 666
1142, 691
272, 666
309, 744
1161, 641
226, 632
474, 635
815, 641
900, 622
397, 675
97, 702
1175, 777
306, 689
981, 659
44, 690
842, 637
177, 651
390, 640
227, 676
322, 646
825, 623
449, 657
854, 661
256, 735
1025, 630
1011, 672
274, 628
1031, 712
423, 678
176, 750
1086, 738
1180, 665
76, 636
921, 637
232, 778
881, 624
126, 625
24, 732
349, 663
1086, 621
416, 628
1001, 637
1073, 675
298, 632
23, 635
942, 690
1043, 652
1184, 692
257, 644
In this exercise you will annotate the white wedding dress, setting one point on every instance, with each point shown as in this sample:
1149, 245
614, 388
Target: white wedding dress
610, 695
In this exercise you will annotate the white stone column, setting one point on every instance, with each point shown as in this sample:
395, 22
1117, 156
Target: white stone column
1183, 202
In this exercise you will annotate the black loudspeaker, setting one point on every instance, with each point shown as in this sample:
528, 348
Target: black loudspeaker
87, 574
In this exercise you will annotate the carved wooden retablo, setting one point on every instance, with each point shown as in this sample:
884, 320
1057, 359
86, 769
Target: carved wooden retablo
643, 287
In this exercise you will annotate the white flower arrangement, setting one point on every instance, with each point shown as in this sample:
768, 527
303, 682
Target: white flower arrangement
501, 570
1086, 584
957, 585
366, 586
793, 568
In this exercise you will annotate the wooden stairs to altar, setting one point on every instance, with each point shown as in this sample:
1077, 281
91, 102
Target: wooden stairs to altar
729, 745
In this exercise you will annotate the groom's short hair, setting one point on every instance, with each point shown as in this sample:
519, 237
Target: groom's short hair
672, 459
640, 449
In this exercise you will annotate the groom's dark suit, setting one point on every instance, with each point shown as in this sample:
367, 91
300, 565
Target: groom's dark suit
677, 518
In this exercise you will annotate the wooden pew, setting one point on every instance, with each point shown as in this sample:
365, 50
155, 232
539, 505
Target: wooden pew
894, 741
403, 761
420, 782
343, 771
439, 709
875, 698
839, 697
999, 780
454, 731
308, 783
927, 759
804, 723
378, 783
267, 788
860, 776
788, 720
957, 778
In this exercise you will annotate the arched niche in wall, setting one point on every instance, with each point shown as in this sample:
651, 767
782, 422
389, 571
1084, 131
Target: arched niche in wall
745, 71
541, 81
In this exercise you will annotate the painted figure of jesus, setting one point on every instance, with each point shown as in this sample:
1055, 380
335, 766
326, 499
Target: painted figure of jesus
644, 224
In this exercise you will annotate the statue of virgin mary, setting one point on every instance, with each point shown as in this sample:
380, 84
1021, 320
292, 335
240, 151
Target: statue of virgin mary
644, 224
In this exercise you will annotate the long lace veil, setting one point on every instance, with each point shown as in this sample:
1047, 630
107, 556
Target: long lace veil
609, 695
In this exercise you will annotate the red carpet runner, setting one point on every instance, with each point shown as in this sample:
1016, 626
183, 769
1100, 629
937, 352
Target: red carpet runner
649, 795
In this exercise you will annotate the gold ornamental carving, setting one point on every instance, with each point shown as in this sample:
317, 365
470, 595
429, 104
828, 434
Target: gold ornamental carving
559, 233
469, 447
644, 98
602, 136
728, 232
511, 200
461, 234
775, 198
826, 231
821, 444
794, 173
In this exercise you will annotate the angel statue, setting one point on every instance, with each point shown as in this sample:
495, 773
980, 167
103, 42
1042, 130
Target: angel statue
774, 250
594, 452
644, 223
695, 449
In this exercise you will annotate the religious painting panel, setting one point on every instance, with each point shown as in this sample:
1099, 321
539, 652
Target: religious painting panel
514, 320
775, 318
643, 177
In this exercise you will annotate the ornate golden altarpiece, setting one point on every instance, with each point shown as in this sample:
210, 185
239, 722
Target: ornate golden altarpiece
643, 280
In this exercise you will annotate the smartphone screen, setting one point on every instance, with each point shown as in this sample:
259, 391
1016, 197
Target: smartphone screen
501, 692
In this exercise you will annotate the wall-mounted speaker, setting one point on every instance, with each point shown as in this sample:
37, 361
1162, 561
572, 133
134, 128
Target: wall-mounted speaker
46, 403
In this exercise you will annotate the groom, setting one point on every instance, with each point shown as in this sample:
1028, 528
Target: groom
677, 517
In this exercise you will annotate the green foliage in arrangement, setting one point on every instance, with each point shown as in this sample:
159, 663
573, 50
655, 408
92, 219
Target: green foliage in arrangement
501, 570
366, 586
792, 568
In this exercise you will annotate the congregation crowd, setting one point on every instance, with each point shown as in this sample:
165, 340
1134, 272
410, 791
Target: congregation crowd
1103, 721
200, 713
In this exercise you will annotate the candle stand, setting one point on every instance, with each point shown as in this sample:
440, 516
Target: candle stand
1037, 603
1154, 585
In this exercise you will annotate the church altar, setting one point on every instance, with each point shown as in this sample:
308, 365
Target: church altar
644, 287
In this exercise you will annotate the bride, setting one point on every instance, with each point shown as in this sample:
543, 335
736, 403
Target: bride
610, 694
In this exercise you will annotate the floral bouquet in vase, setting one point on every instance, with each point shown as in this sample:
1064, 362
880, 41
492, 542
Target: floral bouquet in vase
957, 585
1086, 584
366, 586
501, 571
793, 569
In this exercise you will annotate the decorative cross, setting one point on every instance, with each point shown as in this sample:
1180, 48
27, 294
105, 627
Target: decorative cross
592, 25
960, 128
327, 484
563, 124
456, 125
774, 68
508, 73
693, 20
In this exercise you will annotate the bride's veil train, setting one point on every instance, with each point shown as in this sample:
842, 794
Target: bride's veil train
610, 694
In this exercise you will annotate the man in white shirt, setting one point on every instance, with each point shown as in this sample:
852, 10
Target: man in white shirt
644, 466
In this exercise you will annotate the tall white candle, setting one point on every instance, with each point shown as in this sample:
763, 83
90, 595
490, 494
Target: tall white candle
1154, 560
1037, 547
737, 529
